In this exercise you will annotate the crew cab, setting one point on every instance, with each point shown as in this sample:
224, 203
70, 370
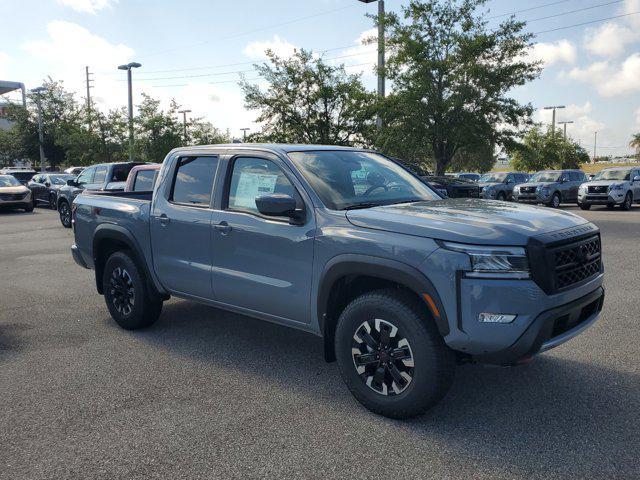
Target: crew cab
106, 177
347, 244
611, 187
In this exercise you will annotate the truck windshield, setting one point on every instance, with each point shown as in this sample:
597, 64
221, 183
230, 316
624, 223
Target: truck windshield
346, 179
613, 175
493, 177
545, 177
8, 181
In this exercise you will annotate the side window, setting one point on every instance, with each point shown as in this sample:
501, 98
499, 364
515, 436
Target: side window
520, 178
193, 180
100, 176
86, 176
253, 177
510, 178
144, 181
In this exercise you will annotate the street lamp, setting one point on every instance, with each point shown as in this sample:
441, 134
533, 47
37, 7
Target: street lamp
381, 78
553, 119
184, 123
37, 92
244, 133
128, 68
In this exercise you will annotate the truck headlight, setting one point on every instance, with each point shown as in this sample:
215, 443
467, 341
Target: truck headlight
493, 262
582, 188
616, 186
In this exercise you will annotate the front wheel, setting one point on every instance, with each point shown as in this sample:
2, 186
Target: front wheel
65, 213
391, 355
628, 201
501, 196
584, 206
555, 201
53, 199
129, 300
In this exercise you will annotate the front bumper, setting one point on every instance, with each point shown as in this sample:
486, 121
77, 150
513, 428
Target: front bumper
551, 328
613, 197
533, 198
15, 200
77, 256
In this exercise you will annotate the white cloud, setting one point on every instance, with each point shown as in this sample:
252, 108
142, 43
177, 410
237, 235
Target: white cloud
562, 51
632, 6
362, 58
279, 46
610, 39
87, 6
611, 80
638, 117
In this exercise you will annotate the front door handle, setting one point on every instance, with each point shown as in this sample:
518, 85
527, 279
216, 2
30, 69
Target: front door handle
164, 220
223, 227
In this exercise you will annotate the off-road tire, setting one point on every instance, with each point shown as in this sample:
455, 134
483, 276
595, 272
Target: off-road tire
628, 202
145, 305
64, 210
434, 363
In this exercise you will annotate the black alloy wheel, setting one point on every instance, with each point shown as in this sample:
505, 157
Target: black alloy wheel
122, 291
382, 357
65, 214
53, 199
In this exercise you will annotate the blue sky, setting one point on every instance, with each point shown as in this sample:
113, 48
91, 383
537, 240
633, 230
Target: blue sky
592, 69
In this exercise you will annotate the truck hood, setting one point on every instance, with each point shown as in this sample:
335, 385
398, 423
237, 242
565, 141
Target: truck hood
14, 190
537, 184
466, 220
488, 184
603, 183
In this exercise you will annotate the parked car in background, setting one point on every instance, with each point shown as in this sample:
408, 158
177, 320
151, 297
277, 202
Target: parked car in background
453, 187
23, 175
142, 178
610, 187
499, 185
13, 194
102, 177
75, 171
550, 187
474, 177
399, 283
44, 188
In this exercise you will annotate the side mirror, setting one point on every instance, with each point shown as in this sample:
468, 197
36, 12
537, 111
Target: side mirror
279, 205
47, 184
636, 178
71, 182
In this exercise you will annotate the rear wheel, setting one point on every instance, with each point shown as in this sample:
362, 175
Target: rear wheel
391, 355
52, 201
501, 196
628, 201
129, 300
65, 213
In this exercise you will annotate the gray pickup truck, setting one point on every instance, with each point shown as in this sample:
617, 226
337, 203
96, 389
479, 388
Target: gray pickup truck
347, 244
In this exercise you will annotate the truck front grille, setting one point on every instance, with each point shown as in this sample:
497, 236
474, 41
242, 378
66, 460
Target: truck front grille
528, 189
576, 262
598, 189
12, 196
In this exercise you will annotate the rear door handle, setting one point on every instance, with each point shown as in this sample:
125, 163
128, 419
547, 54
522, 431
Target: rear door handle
223, 227
164, 220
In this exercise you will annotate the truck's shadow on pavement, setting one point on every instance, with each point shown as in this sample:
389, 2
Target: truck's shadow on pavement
563, 416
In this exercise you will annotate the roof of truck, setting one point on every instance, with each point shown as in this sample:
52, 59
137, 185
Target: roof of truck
279, 147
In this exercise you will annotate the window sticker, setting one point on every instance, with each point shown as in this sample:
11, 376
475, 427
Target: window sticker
252, 185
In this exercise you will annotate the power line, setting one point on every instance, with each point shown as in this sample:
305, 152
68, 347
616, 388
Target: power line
586, 23
573, 11
528, 9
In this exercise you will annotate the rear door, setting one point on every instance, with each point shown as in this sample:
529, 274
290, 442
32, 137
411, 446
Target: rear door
262, 264
181, 226
36, 185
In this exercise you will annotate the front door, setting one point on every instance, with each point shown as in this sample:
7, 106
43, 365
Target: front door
181, 227
262, 264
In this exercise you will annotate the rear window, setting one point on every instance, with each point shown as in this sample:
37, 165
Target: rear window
193, 181
145, 180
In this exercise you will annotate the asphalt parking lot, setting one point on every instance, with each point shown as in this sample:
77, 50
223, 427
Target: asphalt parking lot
208, 394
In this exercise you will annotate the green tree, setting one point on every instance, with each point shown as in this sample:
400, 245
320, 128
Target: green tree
635, 143
157, 131
480, 157
541, 150
452, 75
309, 101
204, 133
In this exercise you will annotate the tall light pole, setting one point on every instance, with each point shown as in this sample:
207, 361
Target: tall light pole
184, 124
595, 145
244, 133
381, 79
553, 118
128, 68
564, 124
37, 92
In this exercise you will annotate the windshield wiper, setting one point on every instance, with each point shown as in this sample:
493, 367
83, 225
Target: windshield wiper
357, 206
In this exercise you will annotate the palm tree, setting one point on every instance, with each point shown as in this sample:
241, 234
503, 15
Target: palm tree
635, 142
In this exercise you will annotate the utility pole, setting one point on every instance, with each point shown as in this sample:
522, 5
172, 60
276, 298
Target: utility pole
184, 124
244, 134
128, 68
88, 80
381, 49
595, 145
565, 127
553, 119
38, 91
